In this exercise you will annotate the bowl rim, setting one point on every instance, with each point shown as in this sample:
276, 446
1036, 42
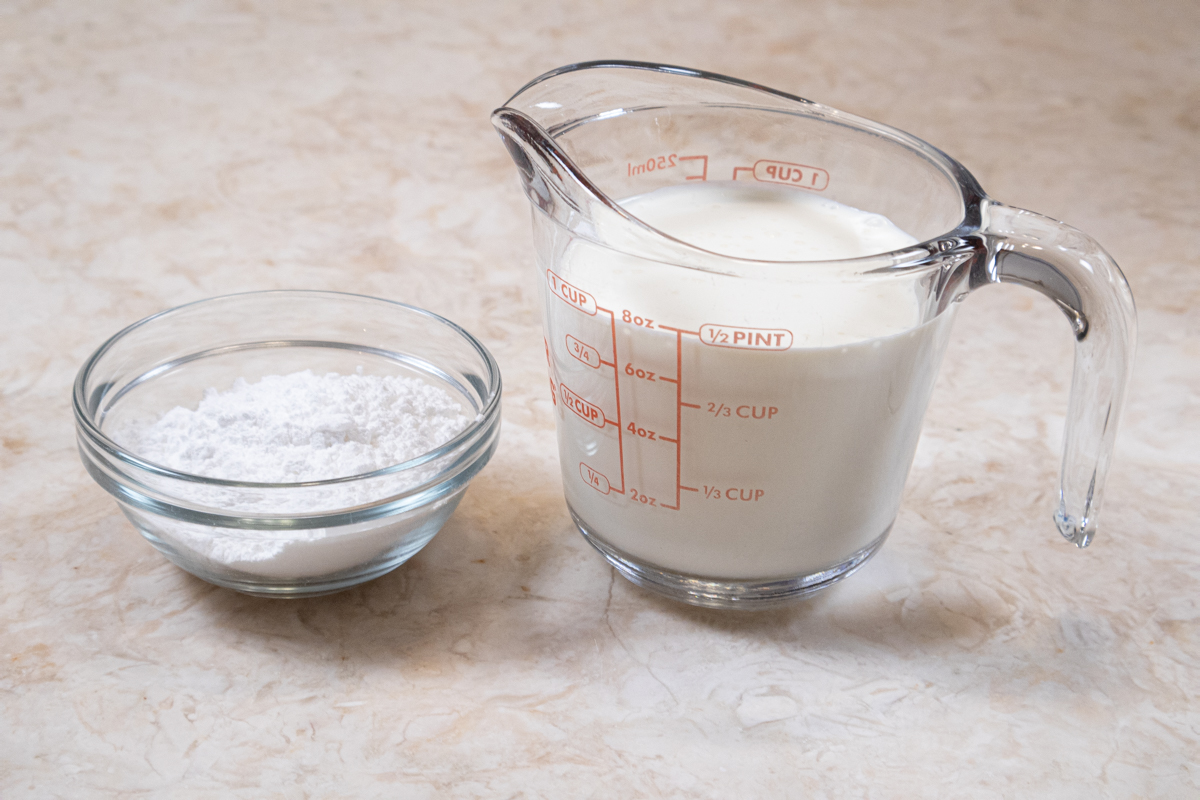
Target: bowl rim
484, 416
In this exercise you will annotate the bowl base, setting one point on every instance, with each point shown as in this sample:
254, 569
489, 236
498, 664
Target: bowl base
348, 559
295, 591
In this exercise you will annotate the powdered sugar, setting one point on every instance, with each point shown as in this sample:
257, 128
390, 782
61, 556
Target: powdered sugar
289, 429
301, 427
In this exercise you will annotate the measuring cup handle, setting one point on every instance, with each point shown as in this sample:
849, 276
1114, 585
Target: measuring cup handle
1073, 270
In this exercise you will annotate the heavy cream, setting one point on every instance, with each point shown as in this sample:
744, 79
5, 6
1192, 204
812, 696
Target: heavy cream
739, 428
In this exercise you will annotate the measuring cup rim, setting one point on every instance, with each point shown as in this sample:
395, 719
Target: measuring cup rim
924, 254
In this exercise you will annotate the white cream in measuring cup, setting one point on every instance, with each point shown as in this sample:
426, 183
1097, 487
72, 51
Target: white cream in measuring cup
767, 431
740, 357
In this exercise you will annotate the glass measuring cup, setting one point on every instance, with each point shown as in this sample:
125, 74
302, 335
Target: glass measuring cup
717, 443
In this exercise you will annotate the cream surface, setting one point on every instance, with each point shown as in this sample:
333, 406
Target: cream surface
766, 223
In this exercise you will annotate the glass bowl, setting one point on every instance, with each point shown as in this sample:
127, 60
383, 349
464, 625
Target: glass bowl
284, 539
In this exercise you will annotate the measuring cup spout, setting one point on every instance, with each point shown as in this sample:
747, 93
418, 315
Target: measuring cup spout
551, 180
572, 169
556, 185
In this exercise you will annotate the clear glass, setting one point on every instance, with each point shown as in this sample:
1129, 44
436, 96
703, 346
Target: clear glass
706, 451
284, 539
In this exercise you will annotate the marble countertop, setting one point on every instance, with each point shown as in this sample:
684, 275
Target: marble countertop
156, 155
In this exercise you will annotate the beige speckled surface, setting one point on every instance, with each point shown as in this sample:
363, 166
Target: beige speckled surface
153, 156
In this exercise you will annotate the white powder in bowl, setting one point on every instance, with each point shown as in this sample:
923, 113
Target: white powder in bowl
301, 427
291, 429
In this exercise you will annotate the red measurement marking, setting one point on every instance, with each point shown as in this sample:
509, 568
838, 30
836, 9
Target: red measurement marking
571, 295
688, 488
799, 175
644, 374
638, 497
746, 338
678, 414
703, 176
678, 330
689, 405
550, 370
747, 171
583, 352
644, 433
633, 319
612, 329
719, 410
652, 164
583, 408
738, 493
594, 479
